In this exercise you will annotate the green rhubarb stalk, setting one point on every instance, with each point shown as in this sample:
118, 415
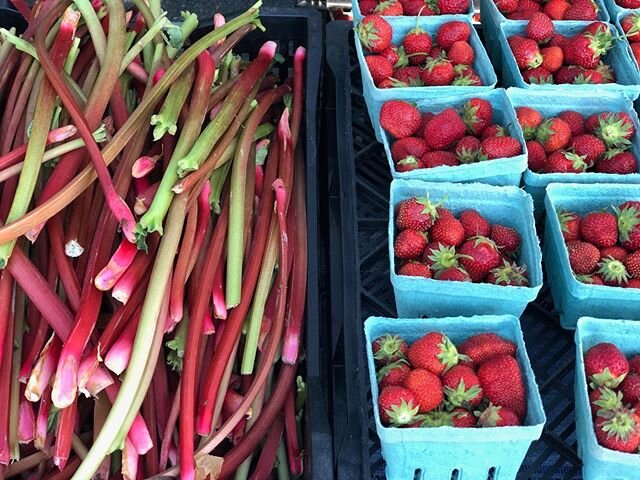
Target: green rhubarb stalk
5, 48
93, 25
217, 180
282, 464
166, 121
183, 32
146, 39
73, 56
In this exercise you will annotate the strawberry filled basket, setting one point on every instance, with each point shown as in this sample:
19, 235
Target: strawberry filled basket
463, 138
591, 244
618, 7
430, 446
582, 105
606, 343
628, 24
434, 258
410, 8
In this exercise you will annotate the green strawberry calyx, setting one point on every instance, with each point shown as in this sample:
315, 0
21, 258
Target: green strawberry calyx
628, 221
606, 71
608, 401
461, 395
390, 347
545, 131
583, 79
619, 424
409, 160
430, 208
449, 356
586, 278
403, 60
443, 258
470, 116
578, 161
510, 274
468, 155
635, 25
368, 34
464, 81
403, 414
613, 271
606, 379
600, 43
389, 367
382, 6
490, 416
436, 418
541, 80
613, 131
435, 62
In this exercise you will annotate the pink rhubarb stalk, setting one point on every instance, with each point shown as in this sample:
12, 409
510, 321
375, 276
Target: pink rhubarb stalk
26, 422
122, 258
138, 433
118, 356
17, 154
43, 370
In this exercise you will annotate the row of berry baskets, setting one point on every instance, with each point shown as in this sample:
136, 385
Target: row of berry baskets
465, 258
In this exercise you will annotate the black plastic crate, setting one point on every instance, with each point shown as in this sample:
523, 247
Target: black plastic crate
360, 287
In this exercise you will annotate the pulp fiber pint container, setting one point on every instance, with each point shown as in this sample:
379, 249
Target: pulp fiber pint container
614, 9
623, 13
600, 463
501, 171
550, 104
572, 298
357, 14
509, 206
444, 453
375, 97
627, 78
491, 19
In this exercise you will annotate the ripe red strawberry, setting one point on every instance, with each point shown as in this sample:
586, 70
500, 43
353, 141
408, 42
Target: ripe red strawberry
409, 244
438, 52
379, 67
634, 364
529, 119
557, 40
556, 9
507, 6
401, 119
453, 7
567, 74
508, 274
619, 430
616, 252
466, 76
417, 213
618, 162
631, 27
502, 383
575, 120
522, 14
408, 147
604, 399
613, 272
629, 225
415, 269
600, 228
586, 49
583, 257
397, 406
440, 257
426, 118
453, 274
477, 114
507, 239
493, 131
589, 147
437, 72
632, 264
615, 129
462, 387
444, 129
529, 5
536, 156
426, 388
605, 365
608, 74
540, 28
592, 279
409, 75
389, 8
553, 134
439, 158
395, 55
585, 10
526, 52
408, 164
374, 33
632, 283
483, 346
538, 76
628, 3
468, 149
448, 231
367, 6
390, 83
433, 352
569, 225
562, 161
497, 416
479, 256
500, 147
461, 53
589, 77
451, 32
474, 224
393, 374
552, 58
630, 389
417, 45
413, 8
462, 418
389, 348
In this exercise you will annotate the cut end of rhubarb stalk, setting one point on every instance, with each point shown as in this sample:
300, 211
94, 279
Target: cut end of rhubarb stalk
300, 55
66, 382
284, 131
73, 249
62, 133
268, 50
144, 165
97, 382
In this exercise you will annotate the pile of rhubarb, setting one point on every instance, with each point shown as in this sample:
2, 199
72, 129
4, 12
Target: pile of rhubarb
150, 321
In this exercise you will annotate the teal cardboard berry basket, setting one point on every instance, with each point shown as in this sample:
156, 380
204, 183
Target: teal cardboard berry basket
510, 206
500, 171
446, 453
600, 463
623, 13
572, 298
550, 104
614, 9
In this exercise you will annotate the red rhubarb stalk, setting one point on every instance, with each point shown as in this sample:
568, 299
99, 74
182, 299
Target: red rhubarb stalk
42, 422
120, 261
294, 456
6, 316
26, 422
269, 449
118, 355
54, 136
43, 370
219, 303
64, 434
138, 433
132, 278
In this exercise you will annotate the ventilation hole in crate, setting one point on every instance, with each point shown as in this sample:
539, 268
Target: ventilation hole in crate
493, 474
455, 474
417, 475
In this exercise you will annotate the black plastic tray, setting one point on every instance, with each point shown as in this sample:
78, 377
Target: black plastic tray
360, 287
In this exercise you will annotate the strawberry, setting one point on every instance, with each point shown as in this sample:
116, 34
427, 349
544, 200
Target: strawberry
444, 129
629, 225
569, 225
526, 52
529, 119
553, 134
440, 257
540, 28
401, 119
586, 49
477, 114
583, 257
415, 269
592, 279
628, 3
462, 418
438, 52
466, 76
408, 164
619, 430
439, 158
448, 231
388, 83
522, 14
634, 364
426, 118
632, 283
421, 8
408, 147
507, 6
497, 416
461, 53
389, 8
618, 162
575, 121
379, 67
605, 365
397, 406
417, 213
374, 33
589, 77
468, 149
558, 40
462, 387
474, 224
479, 256
506, 239
556, 9
433, 352
426, 388
614, 129
409, 244
630, 389
598, 28
538, 76
484, 346
417, 45
564, 162
395, 55
501, 381
367, 6
613, 272
567, 74
536, 156
552, 58
632, 264
452, 32
604, 399
508, 274
582, 10
608, 74
600, 228
589, 147
409, 75
493, 131
631, 27
453, 7
529, 5
389, 348
500, 147
616, 252
437, 72
393, 374
453, 274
